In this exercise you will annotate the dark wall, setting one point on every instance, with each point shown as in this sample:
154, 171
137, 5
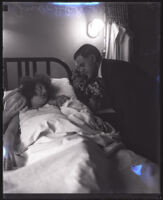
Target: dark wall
144, 20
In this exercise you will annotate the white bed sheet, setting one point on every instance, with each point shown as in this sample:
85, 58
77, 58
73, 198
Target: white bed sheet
60, 159
81, 167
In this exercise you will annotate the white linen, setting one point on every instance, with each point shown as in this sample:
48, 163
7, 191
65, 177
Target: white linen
63, 87
45, 120
77, 168
80, 167
60, 156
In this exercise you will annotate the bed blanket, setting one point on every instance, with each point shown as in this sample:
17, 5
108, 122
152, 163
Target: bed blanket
81, 168
61, 152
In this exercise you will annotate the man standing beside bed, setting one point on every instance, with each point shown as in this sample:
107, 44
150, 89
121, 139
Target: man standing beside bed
126, 89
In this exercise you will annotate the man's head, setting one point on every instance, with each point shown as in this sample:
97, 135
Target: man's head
87, 59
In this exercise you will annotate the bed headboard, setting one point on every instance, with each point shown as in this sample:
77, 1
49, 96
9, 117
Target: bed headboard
29, 67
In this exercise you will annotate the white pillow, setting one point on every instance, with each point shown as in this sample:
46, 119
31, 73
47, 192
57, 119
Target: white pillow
62, 85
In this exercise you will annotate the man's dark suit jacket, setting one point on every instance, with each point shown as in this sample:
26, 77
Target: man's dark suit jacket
134, 96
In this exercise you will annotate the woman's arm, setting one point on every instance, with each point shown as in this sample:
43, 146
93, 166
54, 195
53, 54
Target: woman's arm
13, 103
9, 139
10, 94
6, 118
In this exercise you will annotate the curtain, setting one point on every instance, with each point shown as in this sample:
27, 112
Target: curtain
118, 36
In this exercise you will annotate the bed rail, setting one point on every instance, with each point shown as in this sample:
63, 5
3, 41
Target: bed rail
34, 61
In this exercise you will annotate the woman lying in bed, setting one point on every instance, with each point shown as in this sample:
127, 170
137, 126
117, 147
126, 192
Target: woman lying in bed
38, 93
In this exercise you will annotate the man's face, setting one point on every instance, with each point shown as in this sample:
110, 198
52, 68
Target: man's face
87, 65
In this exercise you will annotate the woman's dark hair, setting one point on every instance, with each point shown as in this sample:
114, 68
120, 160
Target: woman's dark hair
27, 86
45, 80
86, 50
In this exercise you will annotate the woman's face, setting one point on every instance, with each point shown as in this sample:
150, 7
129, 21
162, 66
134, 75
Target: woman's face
40, 97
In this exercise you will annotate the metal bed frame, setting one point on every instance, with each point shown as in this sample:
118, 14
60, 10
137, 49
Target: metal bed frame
34, 61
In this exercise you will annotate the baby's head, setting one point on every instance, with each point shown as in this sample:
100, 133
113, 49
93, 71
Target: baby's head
36, 90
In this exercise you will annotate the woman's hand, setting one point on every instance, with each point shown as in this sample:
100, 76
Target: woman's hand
8, 154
